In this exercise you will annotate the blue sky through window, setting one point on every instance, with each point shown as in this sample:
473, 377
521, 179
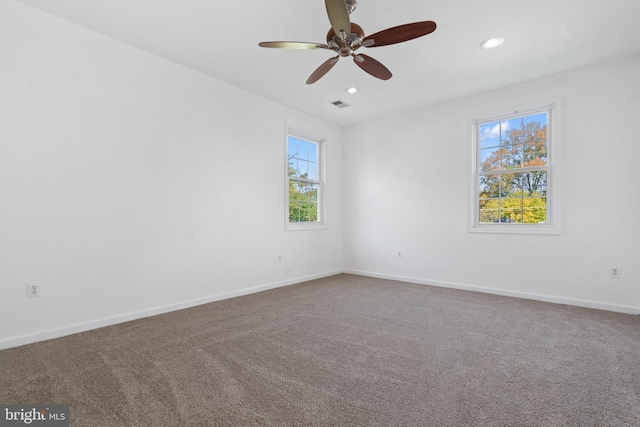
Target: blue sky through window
492, 134
303, 157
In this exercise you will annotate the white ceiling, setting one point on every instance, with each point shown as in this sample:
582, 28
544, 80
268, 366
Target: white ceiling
220, 38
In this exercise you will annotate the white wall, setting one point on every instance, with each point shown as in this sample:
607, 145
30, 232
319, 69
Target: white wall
130, 185
406, 186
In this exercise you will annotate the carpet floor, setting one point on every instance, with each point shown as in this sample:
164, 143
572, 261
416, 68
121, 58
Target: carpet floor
343, 351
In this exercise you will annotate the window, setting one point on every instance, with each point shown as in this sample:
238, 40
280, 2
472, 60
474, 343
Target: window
512, 167
304, 182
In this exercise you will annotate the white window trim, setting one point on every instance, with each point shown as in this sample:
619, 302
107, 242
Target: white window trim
298, 226
553, 177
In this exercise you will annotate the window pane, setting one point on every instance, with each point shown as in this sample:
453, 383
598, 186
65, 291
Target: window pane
489, 185
509, 217
540, 118
511, 203
306, 191
313, 171
535, 152
294, 211
303, 201
510, 184
512, 156
292, 168
488, 210
313, 152
295, 193
534, 183
314, 212
488, 215
488, 203
303, 168
292, 147
300, 190
490, 159
535, 216
308, 212
292, 157
514, 135
304, 212
303, 149
511, 210
535, 210
312, 192
490, 134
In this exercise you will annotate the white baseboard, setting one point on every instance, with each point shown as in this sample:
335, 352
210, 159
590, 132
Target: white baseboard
525, 295
95, 324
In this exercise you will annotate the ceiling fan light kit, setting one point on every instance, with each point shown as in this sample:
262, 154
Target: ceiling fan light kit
346, 37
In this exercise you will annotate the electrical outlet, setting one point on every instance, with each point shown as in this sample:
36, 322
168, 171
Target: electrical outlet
34, 289
616, 272
279, 258
399, 253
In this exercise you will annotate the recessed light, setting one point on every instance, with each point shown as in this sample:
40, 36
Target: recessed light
491, 43
352, 90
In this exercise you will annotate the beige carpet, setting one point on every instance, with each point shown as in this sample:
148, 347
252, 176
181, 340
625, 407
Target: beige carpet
343, 351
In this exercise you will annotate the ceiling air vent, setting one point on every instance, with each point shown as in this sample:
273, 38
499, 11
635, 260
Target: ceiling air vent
340, 104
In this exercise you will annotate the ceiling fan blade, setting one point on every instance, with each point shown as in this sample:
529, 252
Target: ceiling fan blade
338, 16
372, 67
322, 70
294, 45
399, 34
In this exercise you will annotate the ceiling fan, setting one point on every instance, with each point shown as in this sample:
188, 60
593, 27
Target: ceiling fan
346, 37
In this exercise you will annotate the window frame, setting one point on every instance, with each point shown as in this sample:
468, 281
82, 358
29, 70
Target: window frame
552, 226
320, 224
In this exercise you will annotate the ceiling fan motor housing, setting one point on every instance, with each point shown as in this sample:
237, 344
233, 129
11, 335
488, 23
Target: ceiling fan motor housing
352, 42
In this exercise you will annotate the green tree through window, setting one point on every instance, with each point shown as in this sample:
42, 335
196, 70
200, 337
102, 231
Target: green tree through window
303, 171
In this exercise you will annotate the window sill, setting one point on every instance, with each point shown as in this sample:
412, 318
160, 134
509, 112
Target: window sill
305, 226
514, 229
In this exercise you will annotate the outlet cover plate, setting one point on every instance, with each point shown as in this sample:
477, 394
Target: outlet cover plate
34, 289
